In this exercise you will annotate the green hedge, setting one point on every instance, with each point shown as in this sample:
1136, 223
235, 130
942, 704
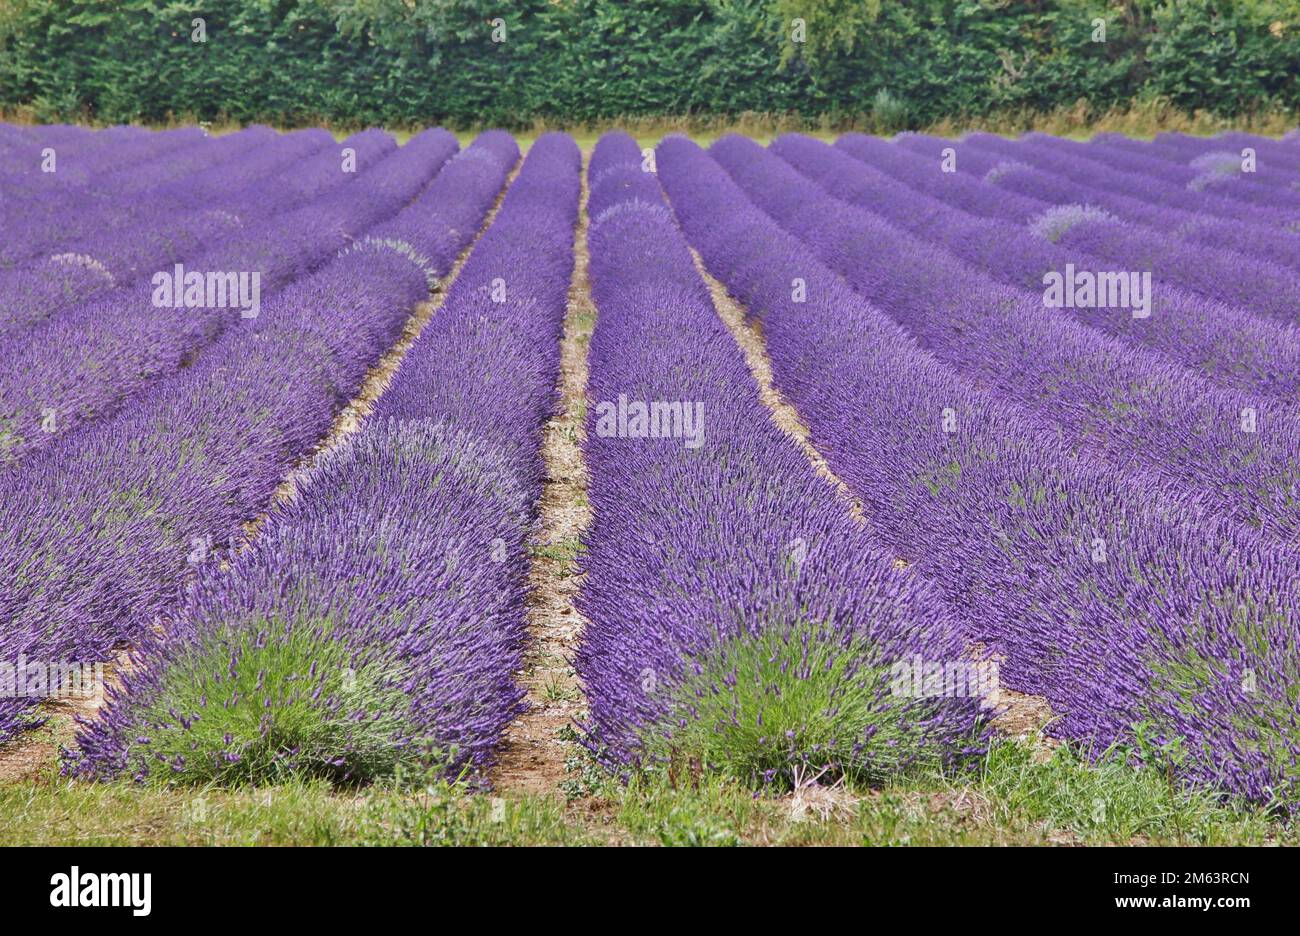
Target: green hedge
395, 62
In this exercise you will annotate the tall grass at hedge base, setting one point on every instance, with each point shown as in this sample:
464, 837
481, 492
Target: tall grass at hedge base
888, 113
1142, 119
765, 704
273, 702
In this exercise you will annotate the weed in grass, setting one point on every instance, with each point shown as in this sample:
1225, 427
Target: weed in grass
1110, 800
556, 690
584, 775
444, 813
564, 551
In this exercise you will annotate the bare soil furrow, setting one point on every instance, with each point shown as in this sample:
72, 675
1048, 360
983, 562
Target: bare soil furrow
532, 758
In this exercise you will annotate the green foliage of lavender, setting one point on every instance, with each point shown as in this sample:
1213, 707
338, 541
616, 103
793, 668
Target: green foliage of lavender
763, 704
274, 700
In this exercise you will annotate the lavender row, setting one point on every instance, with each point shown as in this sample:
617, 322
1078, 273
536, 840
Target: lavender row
1123, 615
244, 161
1214, 161
167, 175
159, 232
80, 196
1252, 280
1209, 451
435, 228
68, 354
1244, 172
736, 612
155, 234
1233, 211
42, 225
1254, 233
275, 161
102, 537
1226, 345
406, 547
1284, 149
83, 158
1040, 152
75, 368
81, 164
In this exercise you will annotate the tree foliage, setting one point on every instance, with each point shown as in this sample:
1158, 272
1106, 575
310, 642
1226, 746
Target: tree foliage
419, 61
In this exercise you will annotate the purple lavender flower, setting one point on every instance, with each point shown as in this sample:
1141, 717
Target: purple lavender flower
717, 575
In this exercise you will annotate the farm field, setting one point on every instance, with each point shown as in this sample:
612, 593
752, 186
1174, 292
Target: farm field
855, 490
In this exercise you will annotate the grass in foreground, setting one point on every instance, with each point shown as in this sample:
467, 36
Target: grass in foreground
1017, 797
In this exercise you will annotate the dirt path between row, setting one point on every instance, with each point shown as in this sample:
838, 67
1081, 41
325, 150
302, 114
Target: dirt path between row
1022, 716
34, 752
29, 756
748, 335
532, 757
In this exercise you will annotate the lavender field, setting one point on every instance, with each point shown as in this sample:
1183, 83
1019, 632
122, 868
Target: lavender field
810, 468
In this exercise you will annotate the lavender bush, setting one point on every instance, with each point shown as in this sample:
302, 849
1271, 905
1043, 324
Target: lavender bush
737, 614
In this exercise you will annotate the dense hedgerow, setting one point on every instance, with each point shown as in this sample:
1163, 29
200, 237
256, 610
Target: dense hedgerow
897, 63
